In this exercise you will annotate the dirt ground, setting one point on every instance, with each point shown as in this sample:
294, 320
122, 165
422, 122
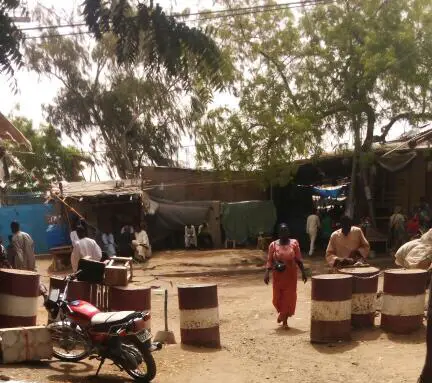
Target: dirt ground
254, 348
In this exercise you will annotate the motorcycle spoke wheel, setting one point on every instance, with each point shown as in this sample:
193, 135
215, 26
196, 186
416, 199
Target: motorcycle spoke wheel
146, 371
68, 343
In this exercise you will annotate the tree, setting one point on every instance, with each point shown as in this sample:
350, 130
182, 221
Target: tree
49, 162
348, 66
142, 32
10, 39
146, 32
139, 115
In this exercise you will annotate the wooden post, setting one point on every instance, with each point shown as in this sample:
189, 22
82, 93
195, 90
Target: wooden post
426, 375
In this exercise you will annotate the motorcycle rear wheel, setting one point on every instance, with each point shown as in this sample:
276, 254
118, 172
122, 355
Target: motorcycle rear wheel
149, 375
69, 344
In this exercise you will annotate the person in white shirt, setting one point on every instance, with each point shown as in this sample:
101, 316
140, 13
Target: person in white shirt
312, 226
73, 235
84, 248
190, 237
109, 244
141, 243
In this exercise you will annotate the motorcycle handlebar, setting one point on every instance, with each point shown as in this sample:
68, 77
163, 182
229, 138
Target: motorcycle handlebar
73, 276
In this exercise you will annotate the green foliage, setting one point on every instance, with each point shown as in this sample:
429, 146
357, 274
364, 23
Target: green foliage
355, 67
138, 115
146, 33
49, 162
10, 39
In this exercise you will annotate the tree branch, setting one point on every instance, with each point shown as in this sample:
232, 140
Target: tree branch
403, 116
283, 77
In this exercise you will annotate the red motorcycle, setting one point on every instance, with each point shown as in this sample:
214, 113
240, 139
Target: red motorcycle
79, 330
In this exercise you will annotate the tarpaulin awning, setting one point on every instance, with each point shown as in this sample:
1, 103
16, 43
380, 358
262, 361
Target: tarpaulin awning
172, 217
396, 161
330, 192
245, 220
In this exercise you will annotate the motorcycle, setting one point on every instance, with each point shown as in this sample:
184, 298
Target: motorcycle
80, 330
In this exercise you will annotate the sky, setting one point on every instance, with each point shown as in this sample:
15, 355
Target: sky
34, 92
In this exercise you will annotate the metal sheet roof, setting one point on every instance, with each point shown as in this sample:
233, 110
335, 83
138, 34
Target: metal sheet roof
101, 189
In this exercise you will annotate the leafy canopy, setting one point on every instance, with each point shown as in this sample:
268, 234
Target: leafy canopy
49, 162
10, 39
353, 67
136, 114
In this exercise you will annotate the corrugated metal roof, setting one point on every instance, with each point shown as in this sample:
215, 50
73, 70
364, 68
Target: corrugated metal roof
101, 189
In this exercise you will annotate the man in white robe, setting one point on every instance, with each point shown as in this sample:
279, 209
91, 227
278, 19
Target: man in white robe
84, 248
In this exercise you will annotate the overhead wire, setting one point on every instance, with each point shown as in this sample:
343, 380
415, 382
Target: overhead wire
226, 13
222, 14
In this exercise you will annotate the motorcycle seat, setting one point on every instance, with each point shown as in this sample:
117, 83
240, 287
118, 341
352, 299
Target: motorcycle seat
112, 318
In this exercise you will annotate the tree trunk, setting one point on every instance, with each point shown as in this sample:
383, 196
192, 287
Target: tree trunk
368, 195
366, 147
426, 375
349, 208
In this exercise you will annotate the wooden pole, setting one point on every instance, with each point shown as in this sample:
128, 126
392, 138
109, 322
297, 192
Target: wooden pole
426, 375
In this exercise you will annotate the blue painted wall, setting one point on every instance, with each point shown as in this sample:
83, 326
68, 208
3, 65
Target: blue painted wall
32, 219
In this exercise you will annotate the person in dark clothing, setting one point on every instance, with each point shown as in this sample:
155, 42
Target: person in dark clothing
10, 250
205, 240
127, 235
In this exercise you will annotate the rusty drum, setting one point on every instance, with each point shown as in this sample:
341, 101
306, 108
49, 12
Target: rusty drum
199, 315
331, 308
404, 300
76, 290
364, 291
19, 295
130, 298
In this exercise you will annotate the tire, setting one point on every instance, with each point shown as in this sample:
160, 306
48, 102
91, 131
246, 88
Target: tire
59, 332
149, 362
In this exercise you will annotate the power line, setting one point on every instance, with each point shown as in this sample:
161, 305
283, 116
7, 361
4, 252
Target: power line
219, 13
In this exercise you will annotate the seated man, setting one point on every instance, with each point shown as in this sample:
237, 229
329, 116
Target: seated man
84, 248
141, 243
347, 245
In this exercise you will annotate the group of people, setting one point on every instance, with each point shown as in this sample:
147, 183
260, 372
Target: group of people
203, 240
20, 253
347, 246
133, 242
403, 228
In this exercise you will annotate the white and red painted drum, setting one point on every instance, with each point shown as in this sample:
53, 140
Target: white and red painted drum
77, 290
364, 291
403, 301
199, 315
19, 293
130, 298
331, 308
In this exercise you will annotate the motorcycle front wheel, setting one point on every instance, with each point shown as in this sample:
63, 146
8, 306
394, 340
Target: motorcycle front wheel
69, 344
143, 374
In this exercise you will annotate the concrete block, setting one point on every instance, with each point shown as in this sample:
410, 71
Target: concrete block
25, 344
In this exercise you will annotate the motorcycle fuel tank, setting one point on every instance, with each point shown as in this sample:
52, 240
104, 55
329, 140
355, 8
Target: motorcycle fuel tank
82, 311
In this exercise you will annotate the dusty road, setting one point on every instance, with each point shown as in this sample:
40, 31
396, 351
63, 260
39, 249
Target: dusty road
254, 348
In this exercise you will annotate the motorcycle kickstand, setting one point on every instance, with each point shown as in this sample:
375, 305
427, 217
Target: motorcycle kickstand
100, 366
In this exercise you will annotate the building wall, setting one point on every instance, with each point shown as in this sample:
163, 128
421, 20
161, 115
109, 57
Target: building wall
178, 184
